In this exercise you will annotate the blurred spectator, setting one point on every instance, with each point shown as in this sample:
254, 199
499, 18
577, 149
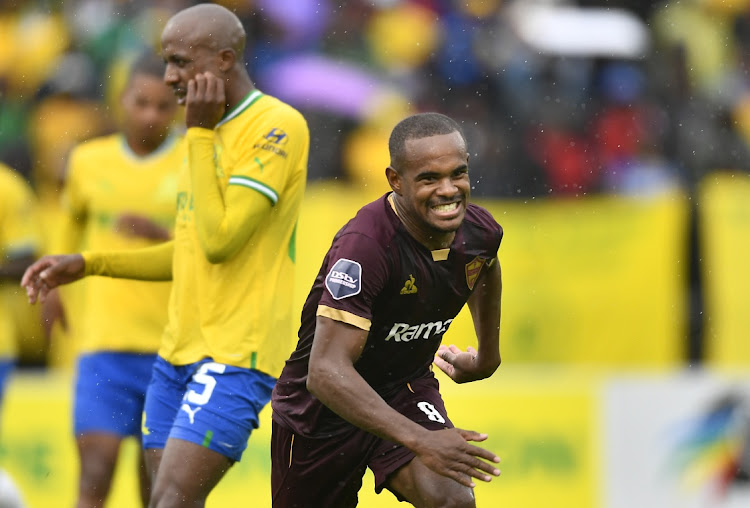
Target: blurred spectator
19, 246
546, 122
628, 134
66, 112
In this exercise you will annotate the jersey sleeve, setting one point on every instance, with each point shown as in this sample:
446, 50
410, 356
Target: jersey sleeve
153, 263
267, 155
493, 231
356, 272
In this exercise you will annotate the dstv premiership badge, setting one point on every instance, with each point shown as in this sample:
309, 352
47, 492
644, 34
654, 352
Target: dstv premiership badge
344, 279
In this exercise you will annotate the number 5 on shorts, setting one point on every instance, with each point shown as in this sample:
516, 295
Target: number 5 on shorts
203, 377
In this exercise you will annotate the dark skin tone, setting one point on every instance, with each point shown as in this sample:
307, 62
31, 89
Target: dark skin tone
430, 195
204, 66
431, 188
202, 47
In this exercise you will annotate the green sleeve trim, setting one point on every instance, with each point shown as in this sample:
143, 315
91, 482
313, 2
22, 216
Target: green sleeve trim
293, 245
255, 184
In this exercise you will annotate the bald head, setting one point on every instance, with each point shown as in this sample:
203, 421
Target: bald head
208, 25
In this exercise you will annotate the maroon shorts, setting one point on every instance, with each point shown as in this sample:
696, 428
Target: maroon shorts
327, 472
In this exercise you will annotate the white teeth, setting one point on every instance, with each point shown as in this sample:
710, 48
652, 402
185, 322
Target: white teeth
445, 208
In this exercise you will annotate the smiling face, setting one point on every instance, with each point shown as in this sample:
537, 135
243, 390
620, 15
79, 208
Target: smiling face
432, 187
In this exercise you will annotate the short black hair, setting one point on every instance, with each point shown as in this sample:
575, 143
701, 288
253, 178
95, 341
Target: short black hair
421, 125
148, 63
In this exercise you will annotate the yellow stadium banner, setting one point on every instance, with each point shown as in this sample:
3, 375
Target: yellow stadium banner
596, 281
724, 232
544, 424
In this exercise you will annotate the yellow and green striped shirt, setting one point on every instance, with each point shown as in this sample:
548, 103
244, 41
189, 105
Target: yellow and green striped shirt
239, 311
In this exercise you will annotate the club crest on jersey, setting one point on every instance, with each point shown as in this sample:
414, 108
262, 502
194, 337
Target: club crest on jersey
473, 268
409, 287
344, 279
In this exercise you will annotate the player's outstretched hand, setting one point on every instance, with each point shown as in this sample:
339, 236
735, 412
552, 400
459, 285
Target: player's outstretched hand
49, 272
448, 453
461, 366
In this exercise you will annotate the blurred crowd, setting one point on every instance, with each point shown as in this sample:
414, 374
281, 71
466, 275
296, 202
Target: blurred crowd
625, 97
541, 119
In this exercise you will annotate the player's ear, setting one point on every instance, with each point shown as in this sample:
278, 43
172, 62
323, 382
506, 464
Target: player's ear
227, 58
394, 179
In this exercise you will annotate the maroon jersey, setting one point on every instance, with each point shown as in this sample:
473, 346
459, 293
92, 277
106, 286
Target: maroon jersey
377, 277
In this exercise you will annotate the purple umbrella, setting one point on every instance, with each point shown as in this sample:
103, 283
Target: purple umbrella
302, 20
318, 82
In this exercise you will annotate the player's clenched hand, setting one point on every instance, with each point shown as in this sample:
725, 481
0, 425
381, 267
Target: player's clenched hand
461, 366
448, 452
49, 272
205, 101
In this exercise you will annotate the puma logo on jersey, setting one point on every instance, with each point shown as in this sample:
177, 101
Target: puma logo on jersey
404, 332
409, 287
190, 412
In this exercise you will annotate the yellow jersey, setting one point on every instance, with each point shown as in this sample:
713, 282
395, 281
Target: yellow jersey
19, 235
106, 180
239, 312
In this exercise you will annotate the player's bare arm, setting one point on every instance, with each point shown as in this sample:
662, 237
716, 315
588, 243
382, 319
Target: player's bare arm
333, 379
484, 305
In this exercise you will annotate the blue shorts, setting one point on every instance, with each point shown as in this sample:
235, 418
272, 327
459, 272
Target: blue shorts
6, 367
207, 403
110, 391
